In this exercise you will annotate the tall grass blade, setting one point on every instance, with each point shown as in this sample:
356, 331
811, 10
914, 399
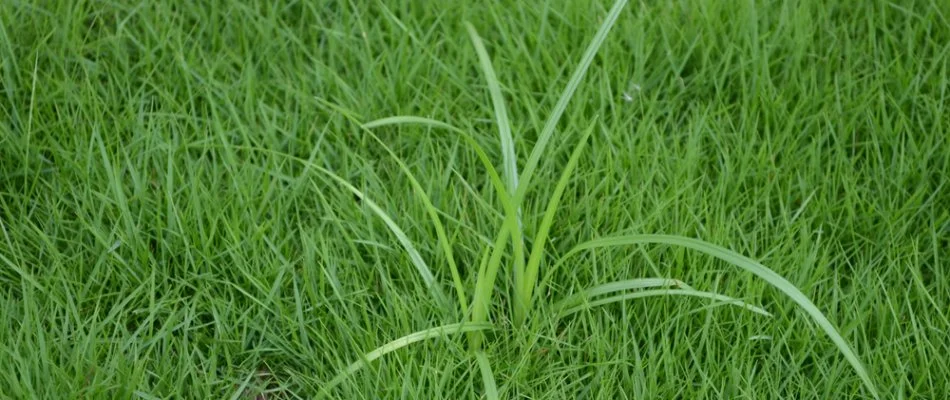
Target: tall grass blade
509, 158
484, 286
752, 266
411, 120
496, 181
436, 222
551, 124
667, 292
501, 111
414, 255
619, 286
491, 389
404, 341
480, 301
526, 289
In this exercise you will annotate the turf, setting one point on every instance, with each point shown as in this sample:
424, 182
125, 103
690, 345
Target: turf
165, 231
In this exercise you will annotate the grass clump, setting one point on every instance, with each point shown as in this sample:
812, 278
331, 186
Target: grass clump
169, 227
511, 189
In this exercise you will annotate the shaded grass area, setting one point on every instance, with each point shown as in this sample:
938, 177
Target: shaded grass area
162, 238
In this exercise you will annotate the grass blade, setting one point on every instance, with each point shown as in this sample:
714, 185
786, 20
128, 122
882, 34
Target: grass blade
619, 286
414, 255
404, 341
480, 301
526, 289
411, 120
755, 268
551, 124
501, 111
667, 292
498, 185
491, 389
436, 222
510, 166
484, 286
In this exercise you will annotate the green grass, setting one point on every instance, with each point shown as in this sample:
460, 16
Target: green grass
169, 229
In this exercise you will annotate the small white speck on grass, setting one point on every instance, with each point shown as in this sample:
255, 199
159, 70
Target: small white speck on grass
115, 246
632, 91
760, 337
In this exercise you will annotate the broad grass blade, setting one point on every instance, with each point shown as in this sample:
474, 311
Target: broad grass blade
510, 166
497, 183
410, 120
551, 124
667, 292
501, 111
526, 289
619, 286
491, 389
755, 268
436, 222
404, 341
486, 280
414, 255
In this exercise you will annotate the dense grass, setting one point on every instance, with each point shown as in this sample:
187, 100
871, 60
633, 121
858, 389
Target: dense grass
163, 232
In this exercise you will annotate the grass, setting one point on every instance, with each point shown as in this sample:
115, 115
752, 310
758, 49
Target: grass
168, 226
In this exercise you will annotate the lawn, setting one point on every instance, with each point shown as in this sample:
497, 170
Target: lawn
678, 200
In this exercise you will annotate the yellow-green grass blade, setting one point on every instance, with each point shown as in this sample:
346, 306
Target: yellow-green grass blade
427, 277
503, 195
425, 334
411, 120
475, 338
666, 292
509, 158
436, 222
526, 290
619, 286
551, 124
485, 284
755, 268
491, 389
510, 167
